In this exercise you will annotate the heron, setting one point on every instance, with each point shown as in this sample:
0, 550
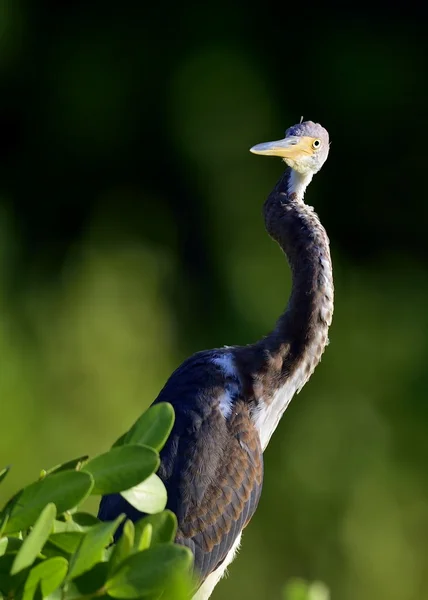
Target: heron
228, 401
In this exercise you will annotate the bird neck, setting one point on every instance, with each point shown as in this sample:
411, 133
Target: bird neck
296, 183
282, 362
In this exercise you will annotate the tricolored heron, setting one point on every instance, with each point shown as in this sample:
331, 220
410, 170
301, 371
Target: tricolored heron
229, 401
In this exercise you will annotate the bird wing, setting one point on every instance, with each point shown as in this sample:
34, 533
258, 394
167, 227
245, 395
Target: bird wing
212, 466
216, 485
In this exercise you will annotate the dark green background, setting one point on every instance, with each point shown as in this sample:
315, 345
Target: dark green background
131, 236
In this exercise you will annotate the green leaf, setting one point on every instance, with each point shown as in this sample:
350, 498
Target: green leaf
13, 544
120, 441
164, 527
71, 465
3, 545
296, 589
123, 547
91, 548
67, 541
65, 490
148, 496
148, 571
67, 525
85, 520
3, 473
36, 539
153, 427
145, 537
89, 583
49, 574
9, 583
122, 468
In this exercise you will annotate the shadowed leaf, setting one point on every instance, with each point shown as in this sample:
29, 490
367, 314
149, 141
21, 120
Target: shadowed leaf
70, 465
67, 541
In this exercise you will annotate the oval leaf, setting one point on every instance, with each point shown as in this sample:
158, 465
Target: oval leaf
84, 520
88, 584
91, 548
65, 490
70, 465
67, 541
164, 527
149, 496
153, 427
148, 571
123, 547
3, 545
36, 539
49, 574
3, 473
145, 537
122, 468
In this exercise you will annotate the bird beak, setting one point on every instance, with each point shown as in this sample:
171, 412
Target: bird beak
292, 147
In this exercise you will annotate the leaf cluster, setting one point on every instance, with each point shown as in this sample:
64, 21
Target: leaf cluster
49, 548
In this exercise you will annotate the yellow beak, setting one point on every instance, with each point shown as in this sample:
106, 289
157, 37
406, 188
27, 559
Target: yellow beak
291, 147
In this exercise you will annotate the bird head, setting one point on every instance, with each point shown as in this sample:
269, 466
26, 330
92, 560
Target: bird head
304, 148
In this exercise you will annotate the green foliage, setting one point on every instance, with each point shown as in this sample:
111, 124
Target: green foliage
298, 589
49, 548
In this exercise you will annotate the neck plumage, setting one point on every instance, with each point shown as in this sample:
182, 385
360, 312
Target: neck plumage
280, 364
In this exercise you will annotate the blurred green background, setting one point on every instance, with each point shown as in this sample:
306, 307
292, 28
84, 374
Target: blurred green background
131, 236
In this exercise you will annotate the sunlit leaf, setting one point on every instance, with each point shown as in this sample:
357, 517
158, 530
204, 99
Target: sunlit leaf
91, 548
3, 473
3, 545
164, 526
149, 571
49, 574
122, 468
123, 547
65, 490
296, 589
35, 540
149, 496
145, 537
67, 525
153, 427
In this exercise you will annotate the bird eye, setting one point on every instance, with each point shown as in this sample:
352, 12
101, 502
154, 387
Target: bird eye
316, 144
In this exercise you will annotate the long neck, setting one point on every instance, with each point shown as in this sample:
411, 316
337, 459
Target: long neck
297, 229
281, 363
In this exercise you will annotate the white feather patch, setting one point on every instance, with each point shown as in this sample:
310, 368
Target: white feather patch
226, 404
211, 581
226, 362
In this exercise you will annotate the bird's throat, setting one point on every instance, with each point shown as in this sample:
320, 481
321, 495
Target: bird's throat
297, 183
